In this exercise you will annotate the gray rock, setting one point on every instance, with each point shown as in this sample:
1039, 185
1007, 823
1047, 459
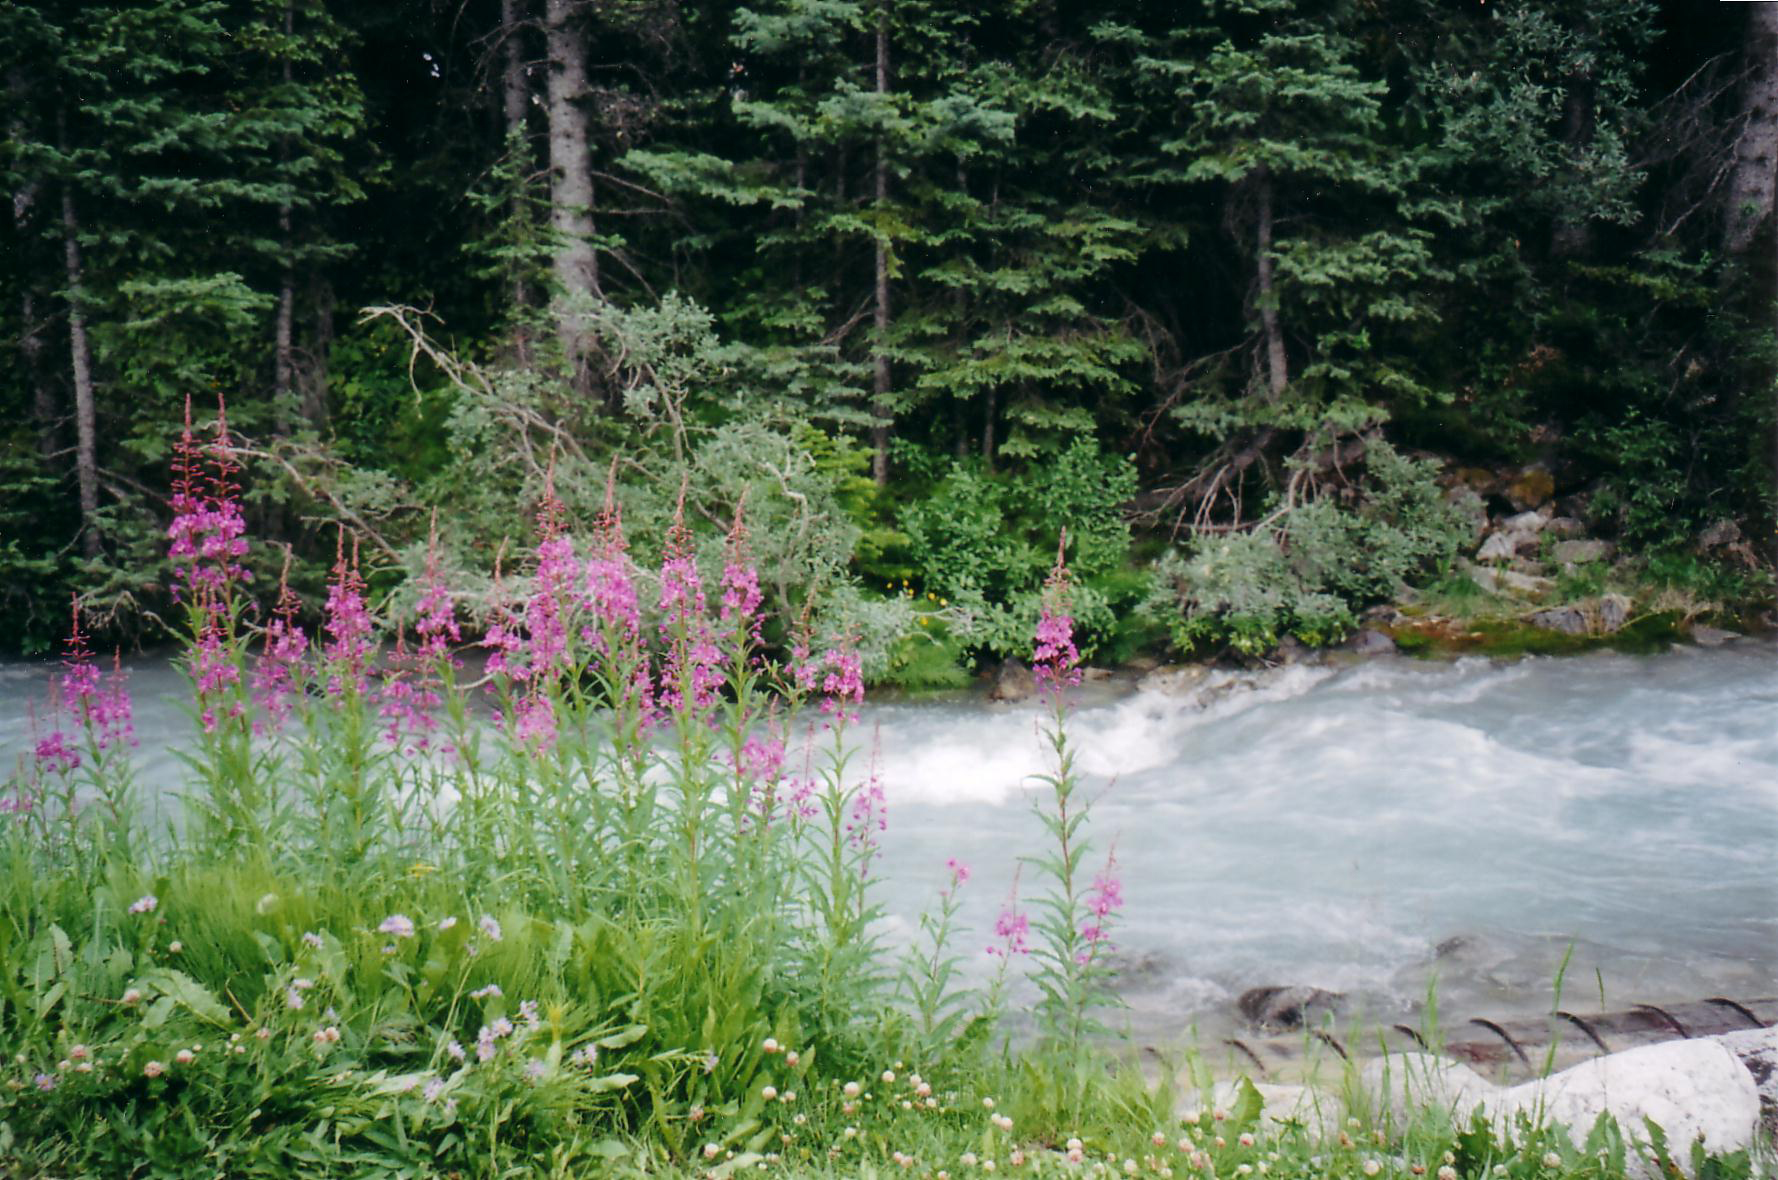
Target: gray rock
1569, 620
1581, 551
1291, 650
1611, 612
1525, 522
1498, 547
1518, 583
1565, 527
1013, 682
1174, 680
1711, 636
1288, 1007
1370, 643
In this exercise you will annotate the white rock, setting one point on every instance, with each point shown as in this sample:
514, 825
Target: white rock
1696, 1089
1525, 522
1499, 547
1407, 1082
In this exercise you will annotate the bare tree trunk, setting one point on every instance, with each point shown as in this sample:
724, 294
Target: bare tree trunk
576, 262
515, 95
283, 348
879, 432
1277, 365
86, 431
1755, 175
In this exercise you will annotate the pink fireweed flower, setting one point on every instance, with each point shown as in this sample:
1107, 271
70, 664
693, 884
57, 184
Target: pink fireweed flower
215, 675
1055, 661
347, 625
207, 537
870, 811
689, 676
436, 612
278, 676
534, 721
740, 586
56, 754
80, 676
552, 591
1104, 898
1013, 929
407, 700
959, 872
110, 711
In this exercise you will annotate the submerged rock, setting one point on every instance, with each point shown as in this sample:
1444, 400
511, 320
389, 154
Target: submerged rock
1288, 1007
1705, 636
1371, 643
1175, 680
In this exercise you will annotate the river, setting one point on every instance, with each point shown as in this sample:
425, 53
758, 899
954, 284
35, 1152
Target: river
1338, 827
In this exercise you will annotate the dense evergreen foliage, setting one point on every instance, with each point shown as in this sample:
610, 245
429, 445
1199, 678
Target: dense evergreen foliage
1206, 283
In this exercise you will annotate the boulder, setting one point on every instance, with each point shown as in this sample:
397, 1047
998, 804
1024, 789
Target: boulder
1291, 650
1498, 547
1531, 488
1565, 528
1580, 551
1525, 522
1611, 612
1012, 682
1757, 1049
1569, 620
1370, 643
1696, 1089
1405, 1084
1174, 680
1273, 1008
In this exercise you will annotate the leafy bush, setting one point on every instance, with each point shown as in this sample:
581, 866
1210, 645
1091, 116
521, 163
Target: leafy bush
985, 541
1309, 571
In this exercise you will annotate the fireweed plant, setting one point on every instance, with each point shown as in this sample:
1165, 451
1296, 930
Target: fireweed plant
604, 908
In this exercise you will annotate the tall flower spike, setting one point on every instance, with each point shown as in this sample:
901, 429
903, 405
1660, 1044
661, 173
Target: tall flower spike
689, 677
552, 588
1055, 661
347, 625
740, 583
277, 676
608, 593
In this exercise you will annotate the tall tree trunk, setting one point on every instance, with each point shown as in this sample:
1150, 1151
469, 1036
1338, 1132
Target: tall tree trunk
31, 342
284, 347
515, 100
1277, 365
43, 398
1755, 175
86, 430
879, 432
314, 381
576, 263
1572, 234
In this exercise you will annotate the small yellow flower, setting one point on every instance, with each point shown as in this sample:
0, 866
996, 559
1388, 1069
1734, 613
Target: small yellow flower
421, 869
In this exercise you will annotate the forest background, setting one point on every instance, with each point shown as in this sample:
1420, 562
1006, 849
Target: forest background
1242, 293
